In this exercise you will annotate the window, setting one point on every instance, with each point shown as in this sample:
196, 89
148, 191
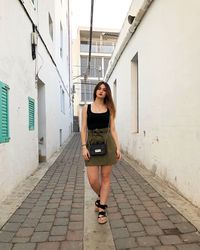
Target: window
84, 62
50, 27
61, 40
84, 46
62, 100
96, 67
83, 91
106, 61
31, 110
4, 122
134, 94
87, 90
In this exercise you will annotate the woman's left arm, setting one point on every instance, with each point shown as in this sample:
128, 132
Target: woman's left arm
115, 137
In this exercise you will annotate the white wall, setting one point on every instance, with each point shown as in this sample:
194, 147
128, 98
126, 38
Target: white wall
19, 157
168, 49
55, 119
76, 70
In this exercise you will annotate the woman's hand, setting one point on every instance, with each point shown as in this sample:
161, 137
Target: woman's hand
85, 153
118, 154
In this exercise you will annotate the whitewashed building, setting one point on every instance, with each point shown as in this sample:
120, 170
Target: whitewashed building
154, 74
103, 44
35, 90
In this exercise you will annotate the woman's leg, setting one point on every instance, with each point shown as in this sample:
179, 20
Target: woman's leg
105, 183
93, 177
104, 192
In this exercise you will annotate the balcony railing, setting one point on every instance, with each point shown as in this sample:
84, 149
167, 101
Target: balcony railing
97, 48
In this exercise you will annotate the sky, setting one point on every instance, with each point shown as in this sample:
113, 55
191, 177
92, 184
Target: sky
107, 14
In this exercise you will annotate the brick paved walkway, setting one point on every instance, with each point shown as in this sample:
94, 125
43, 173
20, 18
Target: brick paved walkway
141, 219
52, 216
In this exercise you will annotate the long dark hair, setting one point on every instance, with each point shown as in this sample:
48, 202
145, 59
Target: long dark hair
108, 100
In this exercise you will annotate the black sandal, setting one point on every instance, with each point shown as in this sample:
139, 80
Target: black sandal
102, 214
97, 203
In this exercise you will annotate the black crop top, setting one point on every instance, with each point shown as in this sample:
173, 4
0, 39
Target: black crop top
97, 120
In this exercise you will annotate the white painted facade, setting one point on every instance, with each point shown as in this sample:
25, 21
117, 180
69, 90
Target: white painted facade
103, 44
155, 81
47, 80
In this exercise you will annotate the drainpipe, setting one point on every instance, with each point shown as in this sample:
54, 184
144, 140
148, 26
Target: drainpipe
138, 18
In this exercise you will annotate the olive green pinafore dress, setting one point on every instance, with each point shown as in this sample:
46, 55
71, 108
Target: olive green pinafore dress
99, 131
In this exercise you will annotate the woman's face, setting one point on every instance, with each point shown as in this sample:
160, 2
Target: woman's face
101, 91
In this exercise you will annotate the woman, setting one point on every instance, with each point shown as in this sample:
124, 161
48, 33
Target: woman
97, 124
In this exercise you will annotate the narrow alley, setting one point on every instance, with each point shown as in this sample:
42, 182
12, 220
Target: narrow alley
59, 213
135, 63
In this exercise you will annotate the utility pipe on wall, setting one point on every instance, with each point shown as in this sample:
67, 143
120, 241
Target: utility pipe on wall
45, 45
138, 18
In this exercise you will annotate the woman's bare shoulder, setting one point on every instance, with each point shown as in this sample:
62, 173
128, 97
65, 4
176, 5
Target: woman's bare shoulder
85, 108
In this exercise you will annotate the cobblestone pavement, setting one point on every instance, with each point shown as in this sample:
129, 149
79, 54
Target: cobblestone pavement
141, 219
52, 216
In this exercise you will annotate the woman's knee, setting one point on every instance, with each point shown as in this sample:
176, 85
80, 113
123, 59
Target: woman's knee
93, 174
105, 175
105, 179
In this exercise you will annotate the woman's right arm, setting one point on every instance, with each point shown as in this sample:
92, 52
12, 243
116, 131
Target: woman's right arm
85, 152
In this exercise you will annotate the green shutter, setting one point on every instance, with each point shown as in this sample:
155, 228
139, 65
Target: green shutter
31, 108
4, 122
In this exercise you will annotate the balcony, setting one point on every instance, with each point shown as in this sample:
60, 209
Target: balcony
97, 48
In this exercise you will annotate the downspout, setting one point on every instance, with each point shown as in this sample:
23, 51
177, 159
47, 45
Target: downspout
138, 18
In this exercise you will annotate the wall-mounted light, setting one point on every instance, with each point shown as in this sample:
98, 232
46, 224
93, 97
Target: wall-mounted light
130, 19
34, 42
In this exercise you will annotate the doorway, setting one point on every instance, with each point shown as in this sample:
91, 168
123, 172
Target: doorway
41, 121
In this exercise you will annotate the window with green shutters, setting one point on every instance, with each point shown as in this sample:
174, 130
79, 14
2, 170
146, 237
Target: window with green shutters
4, 122
31, 108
